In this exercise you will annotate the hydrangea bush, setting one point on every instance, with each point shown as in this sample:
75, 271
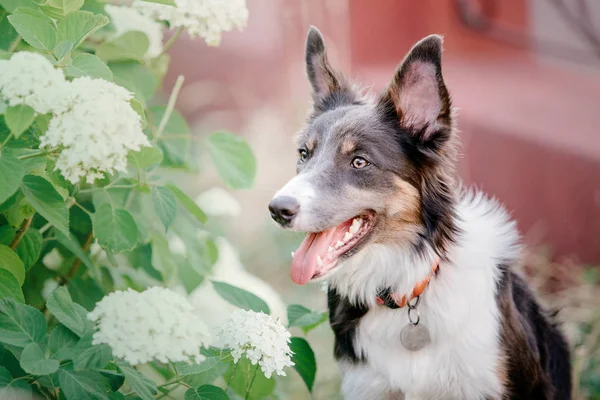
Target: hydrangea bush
99, 251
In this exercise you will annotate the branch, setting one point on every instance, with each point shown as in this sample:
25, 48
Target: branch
75, 267
21, 232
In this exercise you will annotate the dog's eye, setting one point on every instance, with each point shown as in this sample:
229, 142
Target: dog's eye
359, 163
302, 155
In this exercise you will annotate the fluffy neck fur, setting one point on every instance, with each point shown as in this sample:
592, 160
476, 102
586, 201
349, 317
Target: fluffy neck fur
486, 234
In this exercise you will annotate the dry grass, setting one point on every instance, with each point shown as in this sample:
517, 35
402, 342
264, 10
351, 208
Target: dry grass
574, 291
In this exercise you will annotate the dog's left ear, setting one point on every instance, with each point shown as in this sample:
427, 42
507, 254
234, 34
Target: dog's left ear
418, 93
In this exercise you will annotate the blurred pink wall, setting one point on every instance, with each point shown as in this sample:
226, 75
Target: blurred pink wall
531, 129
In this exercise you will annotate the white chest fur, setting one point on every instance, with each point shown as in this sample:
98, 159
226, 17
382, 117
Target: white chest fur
459, 309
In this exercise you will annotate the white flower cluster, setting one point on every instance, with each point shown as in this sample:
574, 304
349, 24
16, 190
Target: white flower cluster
95, 127
93, 123
30, 79
156, 324
204, 18
127, 19
262, 339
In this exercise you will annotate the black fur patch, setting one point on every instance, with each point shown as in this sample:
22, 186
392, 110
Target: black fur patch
344, 318
537, 355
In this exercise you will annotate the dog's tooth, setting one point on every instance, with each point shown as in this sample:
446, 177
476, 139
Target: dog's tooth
354, 229
330, 249
339, 244
319, 261
348, 236
293, 254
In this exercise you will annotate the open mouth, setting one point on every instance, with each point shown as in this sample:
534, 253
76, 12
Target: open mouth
319, 253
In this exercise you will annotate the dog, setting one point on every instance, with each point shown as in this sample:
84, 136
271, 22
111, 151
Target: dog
423, 298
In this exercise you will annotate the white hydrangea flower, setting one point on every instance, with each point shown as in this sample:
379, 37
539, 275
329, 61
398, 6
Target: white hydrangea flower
127, 19
262, 339
30, 79
204, 18
95, 127
156, 324
218, 202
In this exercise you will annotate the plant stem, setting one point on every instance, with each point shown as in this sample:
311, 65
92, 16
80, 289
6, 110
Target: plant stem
251, 382
232, 374
171, 40
22, 229
14, 44
107, 187
85, 210
170, 106
36, 154
10, 135
45, 227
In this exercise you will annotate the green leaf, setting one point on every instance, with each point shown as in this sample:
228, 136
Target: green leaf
139, 108
240, 375
185, 369
47, 201
240, 298
9, 287
58, 9
304, 361
11, 174
13, 388
62, 49
115, 228
304, 318
175, 140
12, 263
162, 258
11, 5
115, 380
165, 204
167, 2
86, 292
19, 118
78, 25
7, 233
92, 358
188, 203
34, 362
88, 65
61, 342
35, 28
145, 158
144, 387
206, 392
135, 77
20, 324
30, 247
128, 46
70, 314
78, 385
233, 159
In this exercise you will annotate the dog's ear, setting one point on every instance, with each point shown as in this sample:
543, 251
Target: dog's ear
417, 92
323, 79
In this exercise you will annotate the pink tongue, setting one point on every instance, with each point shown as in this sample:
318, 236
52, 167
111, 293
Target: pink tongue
304, 264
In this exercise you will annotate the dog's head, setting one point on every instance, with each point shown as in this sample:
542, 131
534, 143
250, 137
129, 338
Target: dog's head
371, 172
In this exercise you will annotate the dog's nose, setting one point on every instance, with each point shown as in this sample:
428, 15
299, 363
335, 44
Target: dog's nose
284, 209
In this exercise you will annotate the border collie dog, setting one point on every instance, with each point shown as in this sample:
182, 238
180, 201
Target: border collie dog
423, 299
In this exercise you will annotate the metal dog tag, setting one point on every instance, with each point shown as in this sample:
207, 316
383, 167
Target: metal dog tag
414, 337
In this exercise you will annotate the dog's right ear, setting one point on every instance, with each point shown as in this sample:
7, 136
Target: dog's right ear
323, 79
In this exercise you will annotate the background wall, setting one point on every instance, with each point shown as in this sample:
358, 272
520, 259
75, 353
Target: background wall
526, 81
